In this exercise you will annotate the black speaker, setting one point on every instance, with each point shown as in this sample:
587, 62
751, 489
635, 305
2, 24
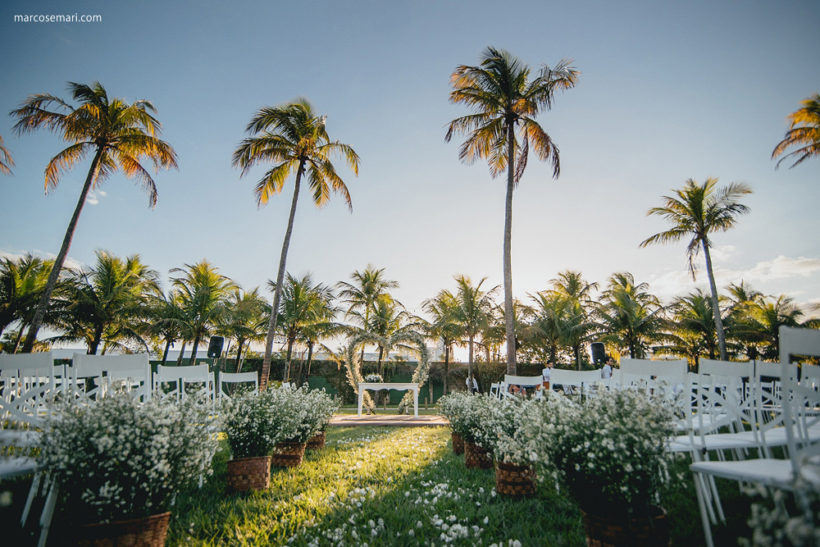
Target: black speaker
598, 352
215, 346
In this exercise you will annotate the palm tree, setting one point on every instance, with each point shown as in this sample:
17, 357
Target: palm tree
245, 317
202, 292
444, 325
696, 211
119, 134
361, 294
166, 320
765, 318
105, 303
572, 287
6, 161
473, 309
546, 328
630, 316
22, 282
804, 132
693, 324
301, 306
504, 101
742, 301
294, 137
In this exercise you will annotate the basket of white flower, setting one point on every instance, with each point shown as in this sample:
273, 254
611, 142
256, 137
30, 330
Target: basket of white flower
610, 454
246, 422
119, 463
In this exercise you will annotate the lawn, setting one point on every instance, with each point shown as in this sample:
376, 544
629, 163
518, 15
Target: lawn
402, 486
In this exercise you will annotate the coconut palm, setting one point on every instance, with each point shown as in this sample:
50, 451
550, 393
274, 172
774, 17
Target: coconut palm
166, 320
506, 102
804, 133
629, 315
244, 320
764, 319
105, 303
120, 135
444, 325
202, 292
302, 305
571, 286
6, 161
693, 324
740, 328
361, 294
695, 211
545, 330
22, 282
295, 139
472, 313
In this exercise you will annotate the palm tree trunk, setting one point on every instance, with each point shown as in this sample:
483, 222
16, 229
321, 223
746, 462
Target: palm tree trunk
165, 353
195, 348
95, 342
715, 305
181, 352
470, 356
286, 376
241, 342
379, 364
280, 277
577, 350
446, 365
17, 339
309, 358
42, 305
508, 294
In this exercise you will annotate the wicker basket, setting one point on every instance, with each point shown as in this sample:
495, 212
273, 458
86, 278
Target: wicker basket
458, 443
517, 481
610, 531
249, 474
317, 441
141, 532
477, 456
288, 454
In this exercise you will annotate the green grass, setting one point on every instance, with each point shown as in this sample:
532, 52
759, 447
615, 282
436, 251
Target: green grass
404, 486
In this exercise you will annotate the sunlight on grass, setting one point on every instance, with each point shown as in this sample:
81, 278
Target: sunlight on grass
373, 485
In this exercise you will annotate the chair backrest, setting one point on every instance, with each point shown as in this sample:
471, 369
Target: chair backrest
131, 372
27, 382
583, 379
653, 373
235, 378
801, 402
722, 398
523, 381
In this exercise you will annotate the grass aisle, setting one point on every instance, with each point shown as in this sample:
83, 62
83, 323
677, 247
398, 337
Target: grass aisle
395, 486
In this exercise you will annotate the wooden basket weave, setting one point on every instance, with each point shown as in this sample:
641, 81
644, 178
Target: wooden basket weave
476, 456
517, 481
249, 474
611, 531
288, 454
458, 443
317, 441
142, 532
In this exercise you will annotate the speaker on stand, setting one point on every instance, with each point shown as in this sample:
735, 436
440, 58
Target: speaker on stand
598, 353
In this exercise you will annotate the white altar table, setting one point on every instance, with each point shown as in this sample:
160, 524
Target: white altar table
401, 386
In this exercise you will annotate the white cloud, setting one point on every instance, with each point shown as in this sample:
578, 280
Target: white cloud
722, 253
94, 196
16, 255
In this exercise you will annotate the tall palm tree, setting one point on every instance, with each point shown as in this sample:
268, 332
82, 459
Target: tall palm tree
361, 294
804, 133
202, 292
22, 282
696, 211
505, 101
295, 139
245, 320
444, 324
120, 135
106, 302
6, 161
571, 286
473, 309
629, 315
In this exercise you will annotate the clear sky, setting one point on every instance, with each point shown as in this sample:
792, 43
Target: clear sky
668, 91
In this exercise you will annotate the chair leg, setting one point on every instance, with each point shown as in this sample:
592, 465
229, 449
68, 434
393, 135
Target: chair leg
702, 505
32, 493
48, 513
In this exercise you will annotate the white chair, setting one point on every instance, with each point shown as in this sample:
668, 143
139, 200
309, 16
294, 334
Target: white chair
799, 407
131, 372
521, 381
182, 376
226, 378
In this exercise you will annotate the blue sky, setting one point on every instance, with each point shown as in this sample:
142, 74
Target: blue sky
668, 91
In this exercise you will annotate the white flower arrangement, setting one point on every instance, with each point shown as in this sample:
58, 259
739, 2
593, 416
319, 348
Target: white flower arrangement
119, 458
322, 407
374, 378
501, 432
300, 413
610, 451
468, 415
246, 420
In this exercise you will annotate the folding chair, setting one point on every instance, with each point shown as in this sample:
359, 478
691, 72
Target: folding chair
131, 372
226, 378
